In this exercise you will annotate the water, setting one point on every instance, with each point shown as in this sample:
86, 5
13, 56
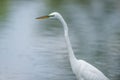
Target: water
36, 50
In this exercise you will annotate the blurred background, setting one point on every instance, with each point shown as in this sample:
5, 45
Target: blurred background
36, 50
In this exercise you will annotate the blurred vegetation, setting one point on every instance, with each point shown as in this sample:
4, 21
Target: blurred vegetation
4, 5
54, 3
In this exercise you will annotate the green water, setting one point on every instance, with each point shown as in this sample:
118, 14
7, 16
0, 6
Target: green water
36, 50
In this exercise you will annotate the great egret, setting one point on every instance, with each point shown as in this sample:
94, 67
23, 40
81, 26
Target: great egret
82, 69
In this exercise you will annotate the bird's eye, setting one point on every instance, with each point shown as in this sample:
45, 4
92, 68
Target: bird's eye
52, 15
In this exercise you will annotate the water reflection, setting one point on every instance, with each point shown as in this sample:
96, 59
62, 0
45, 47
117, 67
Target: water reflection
31, 49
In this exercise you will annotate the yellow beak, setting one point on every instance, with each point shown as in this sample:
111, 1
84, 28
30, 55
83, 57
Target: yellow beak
42, 17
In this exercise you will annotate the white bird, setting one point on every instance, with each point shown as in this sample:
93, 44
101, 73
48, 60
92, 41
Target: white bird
82, 69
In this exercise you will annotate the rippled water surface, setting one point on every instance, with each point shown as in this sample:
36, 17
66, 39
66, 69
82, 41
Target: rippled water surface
36, 50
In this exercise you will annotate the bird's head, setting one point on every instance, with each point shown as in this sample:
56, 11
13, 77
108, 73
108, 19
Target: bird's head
51, 15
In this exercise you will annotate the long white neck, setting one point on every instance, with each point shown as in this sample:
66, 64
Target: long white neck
70, 51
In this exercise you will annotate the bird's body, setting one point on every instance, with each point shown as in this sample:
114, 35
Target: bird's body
82, 69
85, 71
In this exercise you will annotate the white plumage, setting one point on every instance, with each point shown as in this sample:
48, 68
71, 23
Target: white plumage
85, 71
82, 69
